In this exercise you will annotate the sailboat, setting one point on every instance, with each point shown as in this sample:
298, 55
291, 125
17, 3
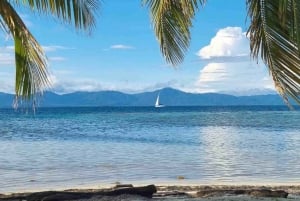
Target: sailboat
157, 104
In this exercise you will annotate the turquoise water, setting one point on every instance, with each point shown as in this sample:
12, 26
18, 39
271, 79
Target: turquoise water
77, 147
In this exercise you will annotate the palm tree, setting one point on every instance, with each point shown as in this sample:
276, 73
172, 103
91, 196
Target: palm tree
32, 76
274, 34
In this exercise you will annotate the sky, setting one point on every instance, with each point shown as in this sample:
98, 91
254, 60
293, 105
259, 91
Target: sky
123, 54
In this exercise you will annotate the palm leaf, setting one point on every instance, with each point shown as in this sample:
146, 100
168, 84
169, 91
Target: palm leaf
80, 13
172, 21
274, 34
31, 65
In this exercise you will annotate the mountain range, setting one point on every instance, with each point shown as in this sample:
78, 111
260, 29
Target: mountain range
168, 97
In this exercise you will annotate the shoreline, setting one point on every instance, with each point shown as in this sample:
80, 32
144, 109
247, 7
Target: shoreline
179, 184
176, 190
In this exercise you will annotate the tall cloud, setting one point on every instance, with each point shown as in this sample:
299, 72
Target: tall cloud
229, 67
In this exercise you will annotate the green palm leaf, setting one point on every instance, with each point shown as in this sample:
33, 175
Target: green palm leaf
274, 34
80, 13
32, 76
31, 64
172, 21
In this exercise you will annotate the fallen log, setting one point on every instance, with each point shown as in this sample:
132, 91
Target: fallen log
219, 192
145, 191
253, 193
268, 193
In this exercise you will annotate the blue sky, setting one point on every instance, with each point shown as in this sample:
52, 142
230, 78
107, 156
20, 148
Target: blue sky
123, 54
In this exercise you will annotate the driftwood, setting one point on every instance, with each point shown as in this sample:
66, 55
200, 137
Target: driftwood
145, 191
172, 194
268, 193
254, 193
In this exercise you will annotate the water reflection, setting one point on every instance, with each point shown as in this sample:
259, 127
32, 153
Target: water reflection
242, 154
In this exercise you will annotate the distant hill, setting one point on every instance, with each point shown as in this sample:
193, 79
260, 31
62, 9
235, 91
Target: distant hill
6, 100
168, 97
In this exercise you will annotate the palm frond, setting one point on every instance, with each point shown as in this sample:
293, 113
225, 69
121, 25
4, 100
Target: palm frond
275, 35
172, 21
3, 26
31, 65
80, 13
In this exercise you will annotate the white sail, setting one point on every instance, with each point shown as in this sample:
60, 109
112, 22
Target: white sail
157, 104
157, 101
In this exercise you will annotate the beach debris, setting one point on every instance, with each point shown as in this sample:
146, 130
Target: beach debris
180, 177
123, 185
268, 193
171, 194
144, 191
218, 192
252, 192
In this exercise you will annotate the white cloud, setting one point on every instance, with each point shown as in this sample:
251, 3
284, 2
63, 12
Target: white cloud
53, 48
7, 56
229, 42
46, 48
122, 47
229, 67
6, 59
68, 82
10, 47
57, 59
68, 86
62, 72
176, 84
64, 82
233, 77
7, 82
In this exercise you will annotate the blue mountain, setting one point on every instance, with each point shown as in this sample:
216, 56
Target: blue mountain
168, 97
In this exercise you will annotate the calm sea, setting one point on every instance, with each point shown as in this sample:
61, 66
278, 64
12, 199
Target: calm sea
77, 147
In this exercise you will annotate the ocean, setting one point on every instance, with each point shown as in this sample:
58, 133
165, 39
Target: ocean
58, 148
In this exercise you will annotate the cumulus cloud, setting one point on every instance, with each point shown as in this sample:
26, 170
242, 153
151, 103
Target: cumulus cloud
233, 77
228, 43
229, 66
